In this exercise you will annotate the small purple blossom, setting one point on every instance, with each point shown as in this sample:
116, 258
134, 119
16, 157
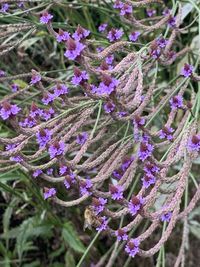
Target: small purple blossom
135, 204
74, 49
109, 59
48, 98
80, 33
98, 204
109, 107
145, 150
166, 133
166, 217
79, 76
46, 17
134, 36
172, 21
126, 163
2, 73
117, 174
114, 35
85, 187
139, 121
102, 27
36, 173
4, 8
8, 110
150, 168
10, 147
108, 85
59, 90
28, 122
194, 143
36, 77
187, 70
118, 4
148, 180
121, 114
62, 36
176, 102
121, 234
49, 192
104, 224
49, 171
155, 51
48, 114
82, 138
16, 158
116, 191
56, 149
132, 247
126, 9
35, 111
14, 87
151, 12
43, 137
161, 42
69, 180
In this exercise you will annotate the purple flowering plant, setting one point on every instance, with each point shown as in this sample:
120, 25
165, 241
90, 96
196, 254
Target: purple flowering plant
103, 122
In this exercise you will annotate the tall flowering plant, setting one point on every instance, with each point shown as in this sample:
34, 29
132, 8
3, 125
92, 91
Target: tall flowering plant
96, 133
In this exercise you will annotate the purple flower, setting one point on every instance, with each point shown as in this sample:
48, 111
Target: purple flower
151, 12
62, 36
194, 143
46, 17
59, 90
35, 111
135, 204
148, 180
49, 192
28, 122
134, 36
117, 174
126, 10
85, 187
103, 224
187, 70
64, 170
10, 147
107, 86
43, 137
16, 158
109, 107
36, 173
2, 73
145, 151
172, 21
118, 4
74, 49
98, 204
126, 163
79, 76
155, 51
49, 171
139, 121
161, 42
109, 59
121, 234
47, 114
132, 247
48, 98
166, 132
121, 114
176, 102
14, 87
166, 11
114, 34
82, 138
102, 27
69, 180
99, 49
150, 168
80, 33
105, 66
166, 217
56, 149
4, 8
8, 110
116, 191
36, 77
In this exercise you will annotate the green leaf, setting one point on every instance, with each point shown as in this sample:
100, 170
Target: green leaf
71, 238
69, 259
